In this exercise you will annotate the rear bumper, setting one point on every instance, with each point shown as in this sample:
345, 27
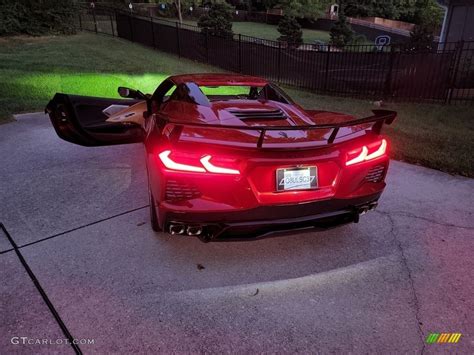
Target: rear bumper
264, 220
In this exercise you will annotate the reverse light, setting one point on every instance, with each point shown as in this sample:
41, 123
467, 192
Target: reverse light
170, 164
216, 169
364, 154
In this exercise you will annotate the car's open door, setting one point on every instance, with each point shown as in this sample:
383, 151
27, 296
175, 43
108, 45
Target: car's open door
83, 120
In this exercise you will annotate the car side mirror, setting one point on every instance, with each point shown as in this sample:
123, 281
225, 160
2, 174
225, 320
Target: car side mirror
130, 93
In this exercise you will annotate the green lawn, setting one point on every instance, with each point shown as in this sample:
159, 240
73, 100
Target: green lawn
32, 70
265, 31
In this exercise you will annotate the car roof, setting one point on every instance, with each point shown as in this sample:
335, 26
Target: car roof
218, 79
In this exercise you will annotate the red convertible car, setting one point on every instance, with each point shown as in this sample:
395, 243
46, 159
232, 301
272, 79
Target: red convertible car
233, 157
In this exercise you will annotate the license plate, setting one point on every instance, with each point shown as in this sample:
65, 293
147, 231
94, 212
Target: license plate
296, 178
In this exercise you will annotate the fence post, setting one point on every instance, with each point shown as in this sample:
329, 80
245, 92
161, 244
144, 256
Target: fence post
177, 40
240, 53
457, 60
131, 27
326, 73
279, 62
152, 31
207, 45
95, 19
388, 81
80, 21
112, 25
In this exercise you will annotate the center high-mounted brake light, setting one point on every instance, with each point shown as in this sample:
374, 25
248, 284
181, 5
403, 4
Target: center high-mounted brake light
364, 154
205, 161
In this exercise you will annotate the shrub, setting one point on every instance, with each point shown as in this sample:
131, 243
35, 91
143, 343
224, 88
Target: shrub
421, 38
290, 31
37, 17
341, 33
217, 21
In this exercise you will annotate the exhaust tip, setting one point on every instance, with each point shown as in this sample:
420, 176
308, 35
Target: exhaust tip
176, 229
194, 230
373, 205
363, 210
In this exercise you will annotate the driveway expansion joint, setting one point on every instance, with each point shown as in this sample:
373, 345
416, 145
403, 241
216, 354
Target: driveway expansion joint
80, 227
42, 292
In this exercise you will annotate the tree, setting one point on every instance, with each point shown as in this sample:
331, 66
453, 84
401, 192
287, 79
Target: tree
290, 31
403, 10
217, 21
179, 6
341, 32
304, 8
37, 17
373, 8
422, 36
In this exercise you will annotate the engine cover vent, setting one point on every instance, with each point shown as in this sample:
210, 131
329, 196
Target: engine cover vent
276, 114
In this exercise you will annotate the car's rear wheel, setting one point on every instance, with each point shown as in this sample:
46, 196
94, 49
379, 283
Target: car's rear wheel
153, 218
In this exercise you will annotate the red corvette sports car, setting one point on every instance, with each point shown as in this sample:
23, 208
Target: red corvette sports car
233, 157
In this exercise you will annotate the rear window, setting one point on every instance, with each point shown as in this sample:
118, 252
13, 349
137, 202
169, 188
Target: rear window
202, 95
214, 93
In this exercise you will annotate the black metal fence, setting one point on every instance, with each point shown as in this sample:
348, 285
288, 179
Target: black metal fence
444, 74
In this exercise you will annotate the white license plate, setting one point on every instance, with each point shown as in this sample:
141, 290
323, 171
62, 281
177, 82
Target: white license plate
297, 178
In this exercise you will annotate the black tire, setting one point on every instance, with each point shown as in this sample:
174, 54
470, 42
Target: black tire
153, 218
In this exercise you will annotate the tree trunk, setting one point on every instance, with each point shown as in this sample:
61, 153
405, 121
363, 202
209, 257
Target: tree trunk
178, 8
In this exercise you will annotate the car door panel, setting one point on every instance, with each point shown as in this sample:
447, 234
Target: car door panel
82, 120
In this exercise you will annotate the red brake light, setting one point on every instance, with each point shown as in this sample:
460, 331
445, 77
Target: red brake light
216, 169
364, 154
170, 164
361, 157
379, 152
207, 166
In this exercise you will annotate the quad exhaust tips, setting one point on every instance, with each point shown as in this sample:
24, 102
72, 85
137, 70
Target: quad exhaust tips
181, 229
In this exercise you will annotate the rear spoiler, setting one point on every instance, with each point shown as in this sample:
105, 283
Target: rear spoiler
379, 118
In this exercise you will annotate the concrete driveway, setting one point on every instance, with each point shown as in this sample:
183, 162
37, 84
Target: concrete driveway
88, 266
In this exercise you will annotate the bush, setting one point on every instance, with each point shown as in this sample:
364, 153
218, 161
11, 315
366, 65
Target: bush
290, 31
341, 33
37, 17
217, 21
421, 38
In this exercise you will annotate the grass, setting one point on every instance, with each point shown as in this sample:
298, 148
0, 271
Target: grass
265, 31
32, 70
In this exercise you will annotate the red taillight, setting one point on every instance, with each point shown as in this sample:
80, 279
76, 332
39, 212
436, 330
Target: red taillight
216, 169
205, 161
360, 157
170, 164
364, 154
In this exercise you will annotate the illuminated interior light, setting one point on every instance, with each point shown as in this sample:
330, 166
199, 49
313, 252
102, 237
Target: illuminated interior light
170, 164
216, 169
